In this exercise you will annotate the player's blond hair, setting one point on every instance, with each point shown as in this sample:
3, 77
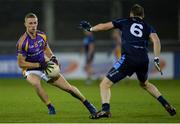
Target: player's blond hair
137, 10
30, 15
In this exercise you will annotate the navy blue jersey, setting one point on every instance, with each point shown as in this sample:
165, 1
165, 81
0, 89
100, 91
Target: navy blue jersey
135, 35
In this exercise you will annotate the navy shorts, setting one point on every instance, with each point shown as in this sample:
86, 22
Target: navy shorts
126, 66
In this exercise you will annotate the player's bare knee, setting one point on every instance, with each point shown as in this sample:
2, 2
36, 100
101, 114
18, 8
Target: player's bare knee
68, 89
100, 85
104, 84
36, 85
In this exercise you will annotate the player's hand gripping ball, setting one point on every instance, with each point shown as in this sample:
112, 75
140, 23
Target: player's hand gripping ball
52, 70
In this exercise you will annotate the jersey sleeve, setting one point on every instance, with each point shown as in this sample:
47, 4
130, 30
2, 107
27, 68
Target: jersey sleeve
152, 30
20, 50
118, 23
21, 46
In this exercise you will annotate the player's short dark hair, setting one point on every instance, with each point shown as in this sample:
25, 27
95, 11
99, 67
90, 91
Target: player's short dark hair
30, 15
137, 10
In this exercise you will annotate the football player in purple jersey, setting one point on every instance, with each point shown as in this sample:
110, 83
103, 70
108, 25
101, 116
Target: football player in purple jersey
33, 54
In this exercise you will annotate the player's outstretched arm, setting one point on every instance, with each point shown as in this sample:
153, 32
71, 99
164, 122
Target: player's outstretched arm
99, 27
102, 27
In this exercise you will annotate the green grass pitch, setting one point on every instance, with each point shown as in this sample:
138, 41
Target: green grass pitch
129, 103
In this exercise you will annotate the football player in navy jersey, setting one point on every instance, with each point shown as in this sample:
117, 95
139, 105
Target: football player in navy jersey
33, 54
135, 34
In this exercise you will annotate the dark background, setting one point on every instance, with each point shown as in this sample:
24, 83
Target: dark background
162, 15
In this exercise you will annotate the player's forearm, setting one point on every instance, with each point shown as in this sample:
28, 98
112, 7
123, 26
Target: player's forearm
101, 27
157, 48
29, 65
48, 52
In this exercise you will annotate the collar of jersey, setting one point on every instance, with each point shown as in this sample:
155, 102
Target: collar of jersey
31, 36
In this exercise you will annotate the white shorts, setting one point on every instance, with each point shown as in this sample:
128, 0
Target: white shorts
39, 73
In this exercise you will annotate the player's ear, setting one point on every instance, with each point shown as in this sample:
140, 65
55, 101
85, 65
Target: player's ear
131, 14
25, 24
143, 15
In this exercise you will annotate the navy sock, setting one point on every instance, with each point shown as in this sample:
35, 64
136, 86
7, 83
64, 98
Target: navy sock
86, 103
51, 109
106, 107
50, 106
89, 106
162, 101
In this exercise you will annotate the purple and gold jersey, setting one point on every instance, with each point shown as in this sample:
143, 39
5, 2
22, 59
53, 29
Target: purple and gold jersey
32, 49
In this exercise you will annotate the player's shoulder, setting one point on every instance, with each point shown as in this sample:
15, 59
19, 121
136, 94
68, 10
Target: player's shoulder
21, 40
140, 21
42, 34
118, 20
148, 26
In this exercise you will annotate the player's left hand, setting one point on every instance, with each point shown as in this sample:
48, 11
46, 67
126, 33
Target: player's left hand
157, 64
85, 25
55, 60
